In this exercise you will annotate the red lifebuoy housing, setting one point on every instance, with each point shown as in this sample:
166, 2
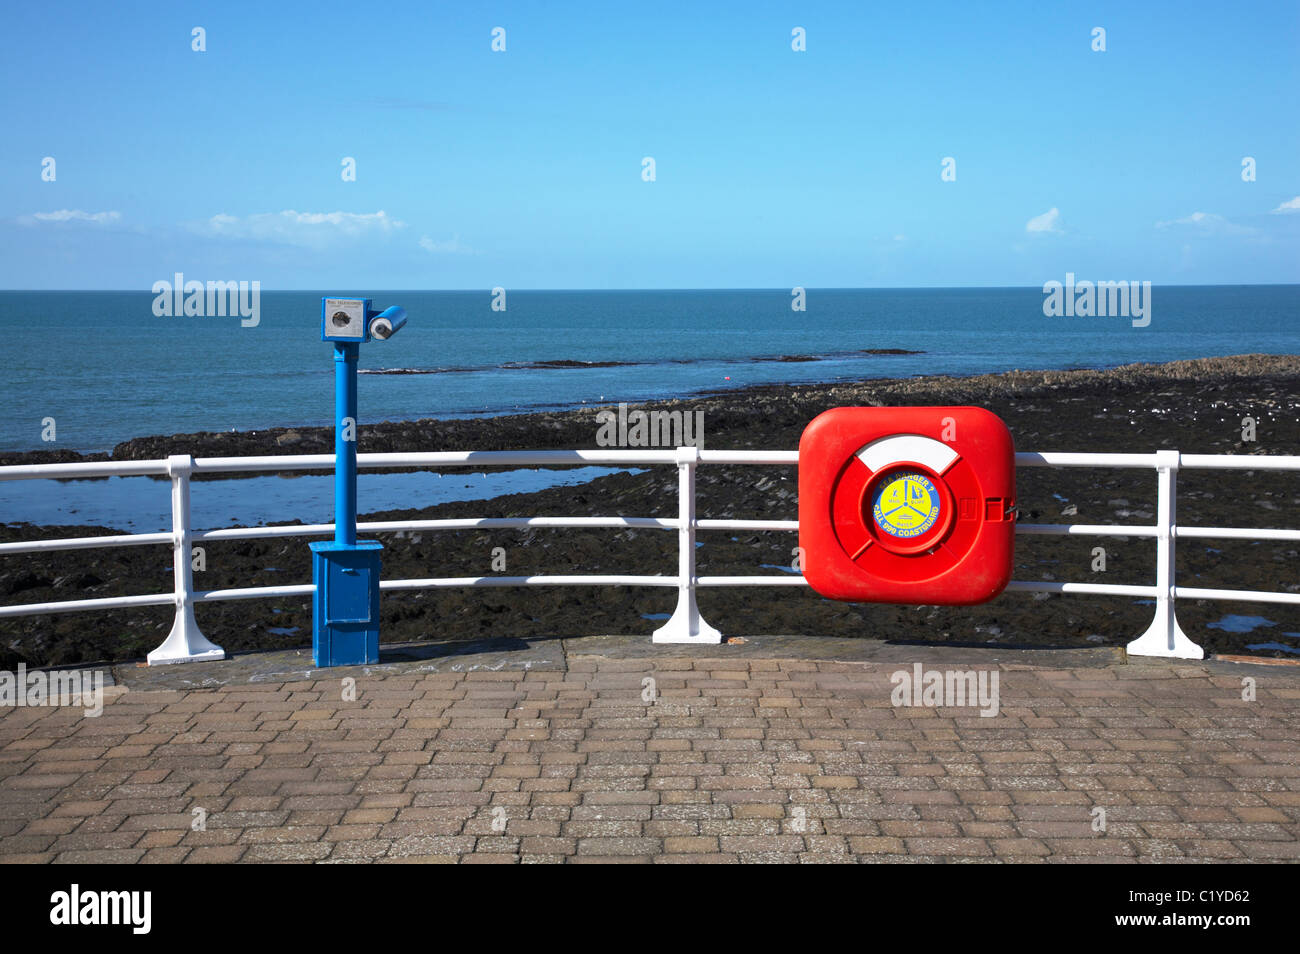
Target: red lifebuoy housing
907, 504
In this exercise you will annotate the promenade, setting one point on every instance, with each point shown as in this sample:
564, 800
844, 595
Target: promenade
778, 749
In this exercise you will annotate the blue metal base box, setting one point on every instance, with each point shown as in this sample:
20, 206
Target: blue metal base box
345, 608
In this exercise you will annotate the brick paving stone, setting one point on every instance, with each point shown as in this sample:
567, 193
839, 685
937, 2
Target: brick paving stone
741, 759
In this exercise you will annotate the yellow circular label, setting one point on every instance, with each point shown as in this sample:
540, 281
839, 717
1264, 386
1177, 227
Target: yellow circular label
906, 505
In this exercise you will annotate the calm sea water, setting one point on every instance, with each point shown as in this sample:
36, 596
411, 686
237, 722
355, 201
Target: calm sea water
106, 369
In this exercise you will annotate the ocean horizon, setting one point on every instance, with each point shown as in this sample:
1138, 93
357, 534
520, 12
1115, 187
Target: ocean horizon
106, 368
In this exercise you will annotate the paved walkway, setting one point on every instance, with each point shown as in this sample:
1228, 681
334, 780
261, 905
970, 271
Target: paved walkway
549, 752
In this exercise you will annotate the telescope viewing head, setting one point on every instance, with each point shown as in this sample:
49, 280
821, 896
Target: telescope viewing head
354, 320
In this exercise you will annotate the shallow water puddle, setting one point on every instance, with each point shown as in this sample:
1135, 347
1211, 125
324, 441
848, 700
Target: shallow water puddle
143, 505
1240, 624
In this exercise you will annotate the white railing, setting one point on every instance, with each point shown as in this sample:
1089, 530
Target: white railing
186, 642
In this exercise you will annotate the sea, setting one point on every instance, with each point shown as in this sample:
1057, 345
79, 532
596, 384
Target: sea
92, 369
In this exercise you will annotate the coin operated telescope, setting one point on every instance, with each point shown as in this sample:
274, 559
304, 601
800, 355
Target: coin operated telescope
345, 570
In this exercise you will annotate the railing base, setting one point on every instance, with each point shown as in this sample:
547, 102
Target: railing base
1164, 637
185, 643
686, 625
215, 654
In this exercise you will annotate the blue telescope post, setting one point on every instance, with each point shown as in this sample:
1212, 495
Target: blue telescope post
345, 450
345, 570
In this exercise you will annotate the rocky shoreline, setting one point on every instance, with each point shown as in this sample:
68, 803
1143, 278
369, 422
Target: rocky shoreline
1192, 406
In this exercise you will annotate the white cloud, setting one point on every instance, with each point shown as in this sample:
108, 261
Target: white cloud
1203, 219
1290, 205
71, 215
301, 228
452, 246
1049, 221
1206, 223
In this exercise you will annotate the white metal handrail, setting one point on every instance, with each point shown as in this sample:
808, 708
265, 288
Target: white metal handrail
186, 642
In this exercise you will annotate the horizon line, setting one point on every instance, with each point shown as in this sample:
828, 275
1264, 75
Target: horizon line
719, 288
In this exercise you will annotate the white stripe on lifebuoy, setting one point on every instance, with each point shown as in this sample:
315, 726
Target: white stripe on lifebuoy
907, 448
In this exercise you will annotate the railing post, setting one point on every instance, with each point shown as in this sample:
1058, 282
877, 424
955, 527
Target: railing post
685, 625
1164, 637
185, 643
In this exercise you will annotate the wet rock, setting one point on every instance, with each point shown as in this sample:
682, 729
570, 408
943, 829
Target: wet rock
25, 580
77, 580
1057, 409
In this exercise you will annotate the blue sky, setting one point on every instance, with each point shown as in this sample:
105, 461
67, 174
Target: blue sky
773, 168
